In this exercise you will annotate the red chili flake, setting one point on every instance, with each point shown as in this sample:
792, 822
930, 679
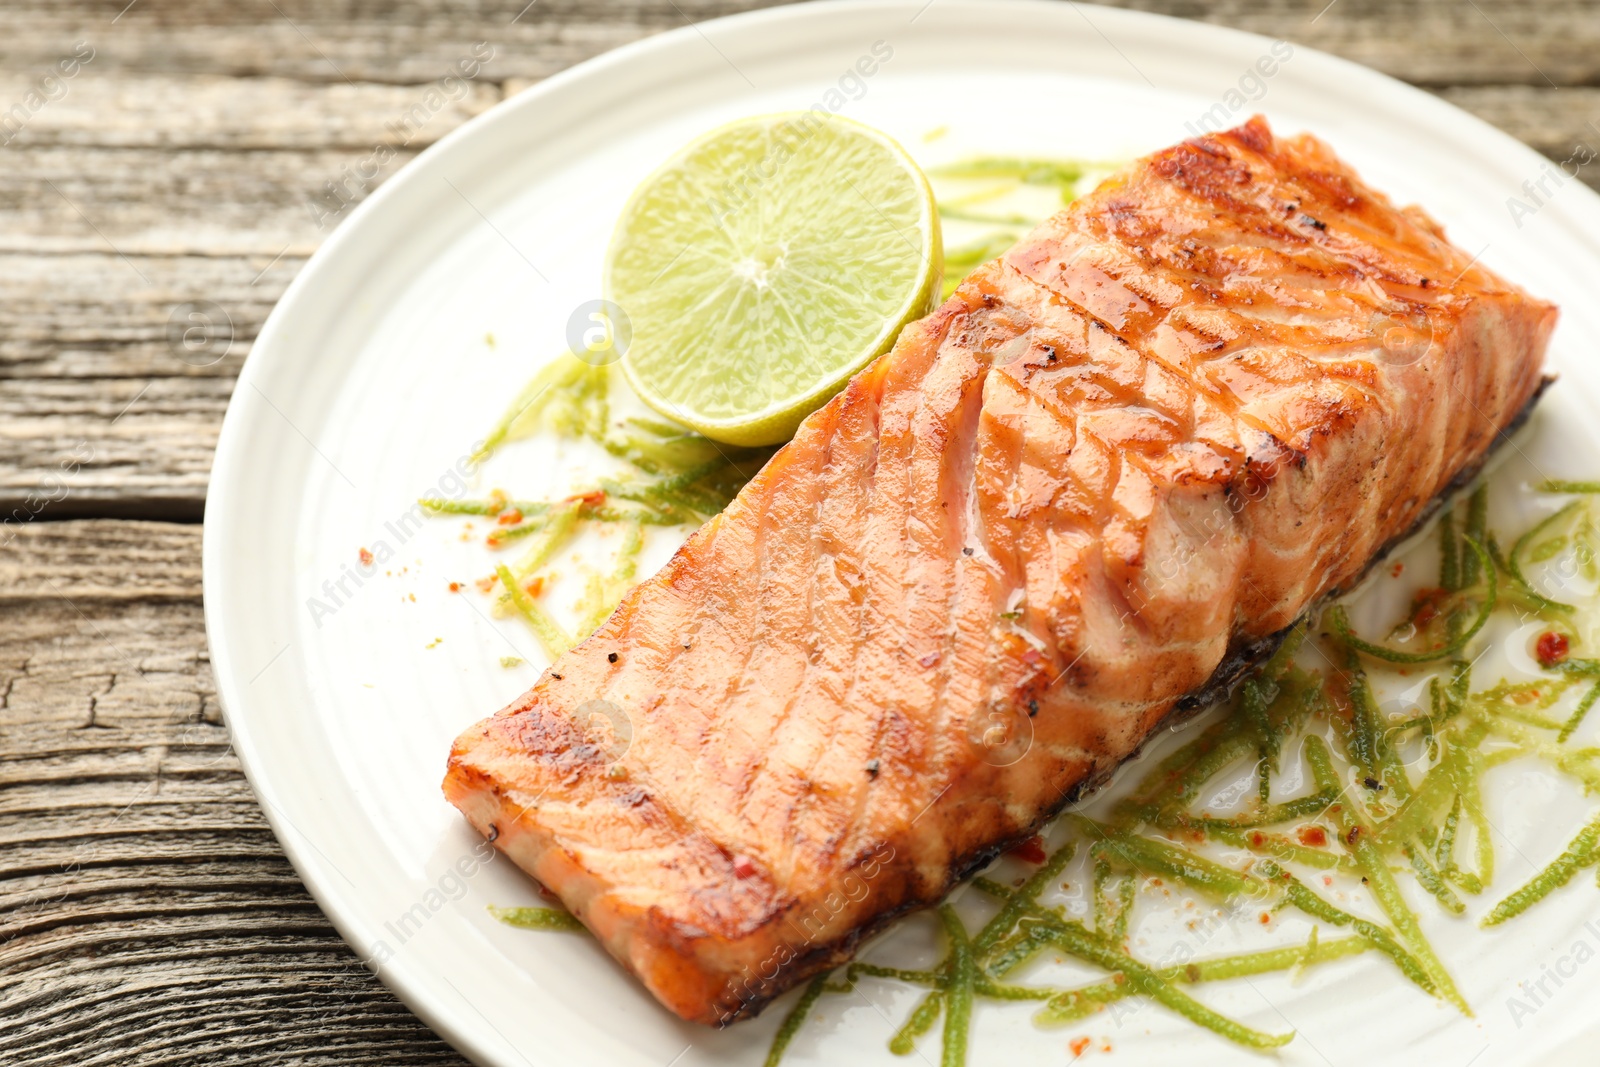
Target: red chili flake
1030, 851
455, 587
1552, 648
1397, 570
1327, 879
534, 585
1257, 839
486, 584
594, 498
1266, 918
1425, 608
365, 557
743, 868
1078, 1045
1312, 836
509, 518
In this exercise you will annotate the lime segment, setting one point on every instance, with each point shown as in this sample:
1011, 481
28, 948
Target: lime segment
765, 264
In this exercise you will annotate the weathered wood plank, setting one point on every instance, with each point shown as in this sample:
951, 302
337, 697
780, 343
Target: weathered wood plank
139, 202
1434, 42
111, 402
1427, 42
90, 315
129, 109
101, 561
76, 446
403, 43
1552, 121
143, 900
84, 334
162, 165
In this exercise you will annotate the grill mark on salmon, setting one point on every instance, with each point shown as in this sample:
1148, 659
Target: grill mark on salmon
1084, 494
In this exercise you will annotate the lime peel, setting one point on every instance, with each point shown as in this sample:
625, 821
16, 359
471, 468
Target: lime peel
765, 264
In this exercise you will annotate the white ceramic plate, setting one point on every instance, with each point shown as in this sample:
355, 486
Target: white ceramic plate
373, 377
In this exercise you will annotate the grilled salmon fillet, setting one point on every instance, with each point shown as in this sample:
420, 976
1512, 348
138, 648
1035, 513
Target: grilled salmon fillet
1112, 468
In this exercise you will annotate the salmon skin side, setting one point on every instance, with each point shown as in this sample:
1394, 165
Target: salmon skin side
1101, 477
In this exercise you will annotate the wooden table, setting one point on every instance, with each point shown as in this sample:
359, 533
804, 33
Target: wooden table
147, 914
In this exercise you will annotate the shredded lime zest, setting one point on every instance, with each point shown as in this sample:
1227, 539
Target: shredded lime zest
1514, 560
1340, 620
1578, 855
539, 919
1569, 727
1063, 173
664, 475
1356, 832
1083, 944
1072, 1005
981, 194
919, 1022
794, 1020
547, 630
962, 975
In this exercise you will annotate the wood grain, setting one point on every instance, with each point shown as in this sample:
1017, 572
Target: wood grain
1431, 42
144, 903
147, 915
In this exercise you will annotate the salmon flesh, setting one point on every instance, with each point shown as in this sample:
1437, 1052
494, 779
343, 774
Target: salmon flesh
1108, 472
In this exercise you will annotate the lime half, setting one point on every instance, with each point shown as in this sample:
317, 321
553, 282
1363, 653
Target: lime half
765, 264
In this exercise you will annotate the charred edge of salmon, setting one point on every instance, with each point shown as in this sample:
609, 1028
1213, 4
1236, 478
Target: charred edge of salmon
810, 963
1241, 657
